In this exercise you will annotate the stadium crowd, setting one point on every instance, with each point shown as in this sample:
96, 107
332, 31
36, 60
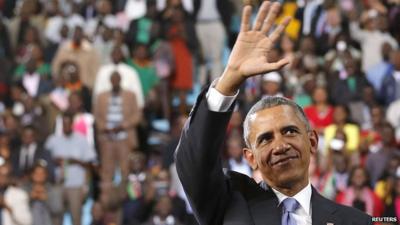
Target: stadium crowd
94, 93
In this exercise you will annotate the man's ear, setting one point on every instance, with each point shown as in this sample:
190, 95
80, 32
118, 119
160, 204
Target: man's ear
313, 137
249, 156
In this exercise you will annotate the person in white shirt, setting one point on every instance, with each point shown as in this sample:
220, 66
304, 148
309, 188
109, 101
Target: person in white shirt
129, 77
279, 143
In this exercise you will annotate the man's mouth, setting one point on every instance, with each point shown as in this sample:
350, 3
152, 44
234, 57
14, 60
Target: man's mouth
283, 161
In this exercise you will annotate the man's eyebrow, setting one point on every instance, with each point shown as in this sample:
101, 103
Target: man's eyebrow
265, 135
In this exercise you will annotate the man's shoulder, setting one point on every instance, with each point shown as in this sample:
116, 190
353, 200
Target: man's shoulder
244, 184
346, 214
351, 212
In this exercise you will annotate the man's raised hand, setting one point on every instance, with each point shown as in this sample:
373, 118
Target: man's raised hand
250, 52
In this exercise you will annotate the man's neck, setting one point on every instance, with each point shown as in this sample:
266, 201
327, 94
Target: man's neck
293, 189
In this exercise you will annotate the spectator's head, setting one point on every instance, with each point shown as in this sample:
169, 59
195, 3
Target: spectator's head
271, 83
31, 36
119, 36
358, 177
235, 147
28, 135
163, 207
137, 162
78, 36
117, 55
340, 163
31, 66
377, 115
39, 173
64, 31
320, 95
372, 21
5, 172
333, 17
115, 81
388, 135
67, 120
236, 119
151, 9
140, 52
368, 94
70, 72
393, 166
104, 7
309, 83
307, 45
341, 114
395, 59
75, 102
350, 65
279, 142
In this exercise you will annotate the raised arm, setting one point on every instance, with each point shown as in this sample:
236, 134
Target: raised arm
198, 154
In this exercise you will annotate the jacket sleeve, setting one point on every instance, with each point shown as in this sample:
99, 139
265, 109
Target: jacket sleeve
199, 165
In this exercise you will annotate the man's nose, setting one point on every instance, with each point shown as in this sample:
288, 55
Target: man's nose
280, 146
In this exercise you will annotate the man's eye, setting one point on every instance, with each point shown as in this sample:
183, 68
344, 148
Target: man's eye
290, 131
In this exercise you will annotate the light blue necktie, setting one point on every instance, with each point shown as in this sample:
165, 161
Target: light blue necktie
289, 206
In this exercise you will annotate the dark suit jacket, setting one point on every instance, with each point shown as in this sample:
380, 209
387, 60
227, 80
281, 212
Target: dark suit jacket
233, 198
40, 154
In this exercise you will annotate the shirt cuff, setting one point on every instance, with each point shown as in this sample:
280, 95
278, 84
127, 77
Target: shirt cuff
218, 102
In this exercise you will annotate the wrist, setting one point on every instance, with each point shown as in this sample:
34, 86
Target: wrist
229, 83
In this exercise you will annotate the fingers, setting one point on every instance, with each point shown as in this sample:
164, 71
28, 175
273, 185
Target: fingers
262, 13
276, 65
270, 20
279, 30
246, 14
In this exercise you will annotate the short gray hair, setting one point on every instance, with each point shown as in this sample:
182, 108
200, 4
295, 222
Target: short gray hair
269, 102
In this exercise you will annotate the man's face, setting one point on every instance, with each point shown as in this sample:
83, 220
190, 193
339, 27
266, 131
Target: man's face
28, 136
280, 146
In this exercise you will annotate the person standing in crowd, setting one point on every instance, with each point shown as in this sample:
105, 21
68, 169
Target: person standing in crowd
213, 19
80, 51
359, 195
117, 115
14, 202
28, 153
73, 157
130, 79
390, 90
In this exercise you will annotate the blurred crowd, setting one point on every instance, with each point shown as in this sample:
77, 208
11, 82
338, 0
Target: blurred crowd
94, 94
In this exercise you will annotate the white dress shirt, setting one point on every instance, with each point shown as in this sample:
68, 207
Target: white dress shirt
218, 102
302, 215
130, 80
31, 83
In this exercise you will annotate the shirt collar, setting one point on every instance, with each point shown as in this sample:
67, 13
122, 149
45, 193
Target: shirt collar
303, 197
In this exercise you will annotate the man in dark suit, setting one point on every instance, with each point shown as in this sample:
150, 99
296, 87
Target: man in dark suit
279, 143
29, 153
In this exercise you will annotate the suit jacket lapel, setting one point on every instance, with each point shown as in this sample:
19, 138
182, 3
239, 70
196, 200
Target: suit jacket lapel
323, 210
264, 206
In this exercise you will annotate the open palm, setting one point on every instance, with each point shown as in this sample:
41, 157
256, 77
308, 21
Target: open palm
250, 53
